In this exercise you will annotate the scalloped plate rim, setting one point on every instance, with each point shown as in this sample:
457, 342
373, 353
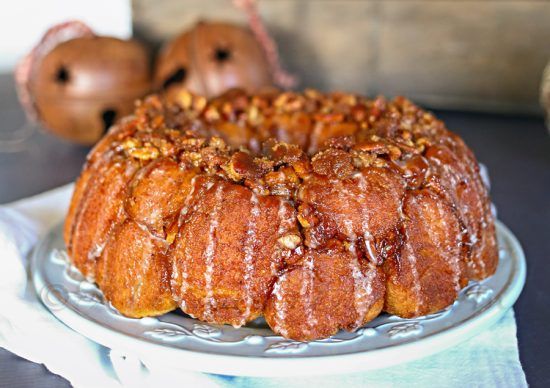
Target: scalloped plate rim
245, 365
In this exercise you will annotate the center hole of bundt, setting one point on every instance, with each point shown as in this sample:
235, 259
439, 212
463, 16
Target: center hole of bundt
176, 77
62, 75
108, 117
222, 54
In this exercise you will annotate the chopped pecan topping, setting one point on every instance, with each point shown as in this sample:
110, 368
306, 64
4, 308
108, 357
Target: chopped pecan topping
144, 153
282, 182
244, 166
333, 163
273, 141
290, 241
282, 153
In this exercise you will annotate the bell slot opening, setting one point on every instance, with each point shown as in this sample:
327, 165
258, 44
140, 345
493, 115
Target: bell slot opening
62, 76
222, 54
178, 76
108, 117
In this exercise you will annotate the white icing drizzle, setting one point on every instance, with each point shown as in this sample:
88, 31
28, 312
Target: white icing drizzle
369, 249
184, 285
306, 293
209, 301
185, 209
173, 283
280, 302
367, 285
481, 246
96, 251
145, 229
363, 291
480, 187
249, 255
362, 287
283, 220
466, 214
480, 260
411, 257
100, 248
105, 272
455, 256
449, 249
144, 264
367, 235
280, 307
416, 286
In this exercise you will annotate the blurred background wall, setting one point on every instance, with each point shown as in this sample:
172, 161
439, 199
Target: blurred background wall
23, 22
470, 54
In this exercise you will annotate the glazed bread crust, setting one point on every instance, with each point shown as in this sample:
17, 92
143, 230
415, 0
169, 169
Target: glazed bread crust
316, 211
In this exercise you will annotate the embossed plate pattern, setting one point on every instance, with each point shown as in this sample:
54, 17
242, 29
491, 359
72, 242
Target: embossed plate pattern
177, 340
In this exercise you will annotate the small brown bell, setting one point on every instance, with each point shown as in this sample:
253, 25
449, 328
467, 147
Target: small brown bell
211, 58
77, 88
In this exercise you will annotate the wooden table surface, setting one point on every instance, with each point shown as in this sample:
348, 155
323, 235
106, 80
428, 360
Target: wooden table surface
516, 149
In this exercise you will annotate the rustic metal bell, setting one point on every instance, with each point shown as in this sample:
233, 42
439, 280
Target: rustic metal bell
83, 85
211, 58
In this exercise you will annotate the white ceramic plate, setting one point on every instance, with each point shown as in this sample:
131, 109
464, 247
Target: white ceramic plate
182, 342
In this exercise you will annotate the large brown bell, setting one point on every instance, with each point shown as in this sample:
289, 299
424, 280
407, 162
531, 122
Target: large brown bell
82, 85
211, 58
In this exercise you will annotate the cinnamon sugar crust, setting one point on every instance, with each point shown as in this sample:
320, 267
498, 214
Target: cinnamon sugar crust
317, 211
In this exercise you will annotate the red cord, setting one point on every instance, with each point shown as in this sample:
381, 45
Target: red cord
280, 76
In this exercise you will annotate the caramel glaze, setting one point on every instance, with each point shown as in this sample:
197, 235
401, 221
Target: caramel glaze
317, 211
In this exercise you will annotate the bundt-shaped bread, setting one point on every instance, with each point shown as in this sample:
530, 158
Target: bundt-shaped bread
317, 211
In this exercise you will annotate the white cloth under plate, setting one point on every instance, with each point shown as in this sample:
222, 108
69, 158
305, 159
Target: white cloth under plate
30, 331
